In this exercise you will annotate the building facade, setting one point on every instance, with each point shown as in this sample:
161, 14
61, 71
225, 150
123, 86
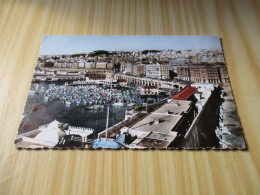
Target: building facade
101, 65
204, 73
164, 71
149, 90
139, 69
209, 73
157, 71
183, 73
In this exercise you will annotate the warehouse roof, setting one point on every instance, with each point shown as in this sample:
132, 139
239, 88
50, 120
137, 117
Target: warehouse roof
185, 94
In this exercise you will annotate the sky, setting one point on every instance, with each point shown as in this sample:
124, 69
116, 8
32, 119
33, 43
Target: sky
68, 44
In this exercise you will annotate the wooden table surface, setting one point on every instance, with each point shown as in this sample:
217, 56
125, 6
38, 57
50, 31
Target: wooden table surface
22, 24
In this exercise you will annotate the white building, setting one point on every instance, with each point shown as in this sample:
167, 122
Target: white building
62, 72
50, 73
157, 71
152, 71
149, 90
110, 65
90, 65
81, 64
128, 68
101, 65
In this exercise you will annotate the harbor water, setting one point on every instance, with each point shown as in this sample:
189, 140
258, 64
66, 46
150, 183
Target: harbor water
80, 106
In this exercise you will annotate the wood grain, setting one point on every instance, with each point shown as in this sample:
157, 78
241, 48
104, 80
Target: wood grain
22, 24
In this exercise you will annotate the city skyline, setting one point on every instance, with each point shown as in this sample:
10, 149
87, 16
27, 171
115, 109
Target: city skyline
66, 44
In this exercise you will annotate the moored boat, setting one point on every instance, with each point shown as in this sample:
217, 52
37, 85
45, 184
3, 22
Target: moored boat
118, 104
35, 108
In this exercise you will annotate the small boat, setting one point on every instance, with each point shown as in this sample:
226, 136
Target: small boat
26, 125
35, 108
118, 104
46, 98
130, 104
31, 92
68, 103
91, 108
98, 106
118, 118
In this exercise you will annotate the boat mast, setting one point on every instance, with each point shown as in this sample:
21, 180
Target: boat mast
108, 110
107, 121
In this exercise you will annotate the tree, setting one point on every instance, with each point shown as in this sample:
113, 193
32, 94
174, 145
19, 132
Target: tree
77, 55
56, 58
117, 67
98, 52
172, 74
136, 107
150, 51
48, 64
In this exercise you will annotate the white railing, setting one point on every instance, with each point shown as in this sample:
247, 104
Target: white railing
82, 129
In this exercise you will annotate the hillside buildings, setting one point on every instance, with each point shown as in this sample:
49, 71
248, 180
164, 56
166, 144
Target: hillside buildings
206, 66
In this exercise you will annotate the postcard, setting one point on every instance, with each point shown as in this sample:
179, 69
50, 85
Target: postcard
130, 92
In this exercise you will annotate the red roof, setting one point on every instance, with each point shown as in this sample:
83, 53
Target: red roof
97, 77
121, 80
149, 87
185, 94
